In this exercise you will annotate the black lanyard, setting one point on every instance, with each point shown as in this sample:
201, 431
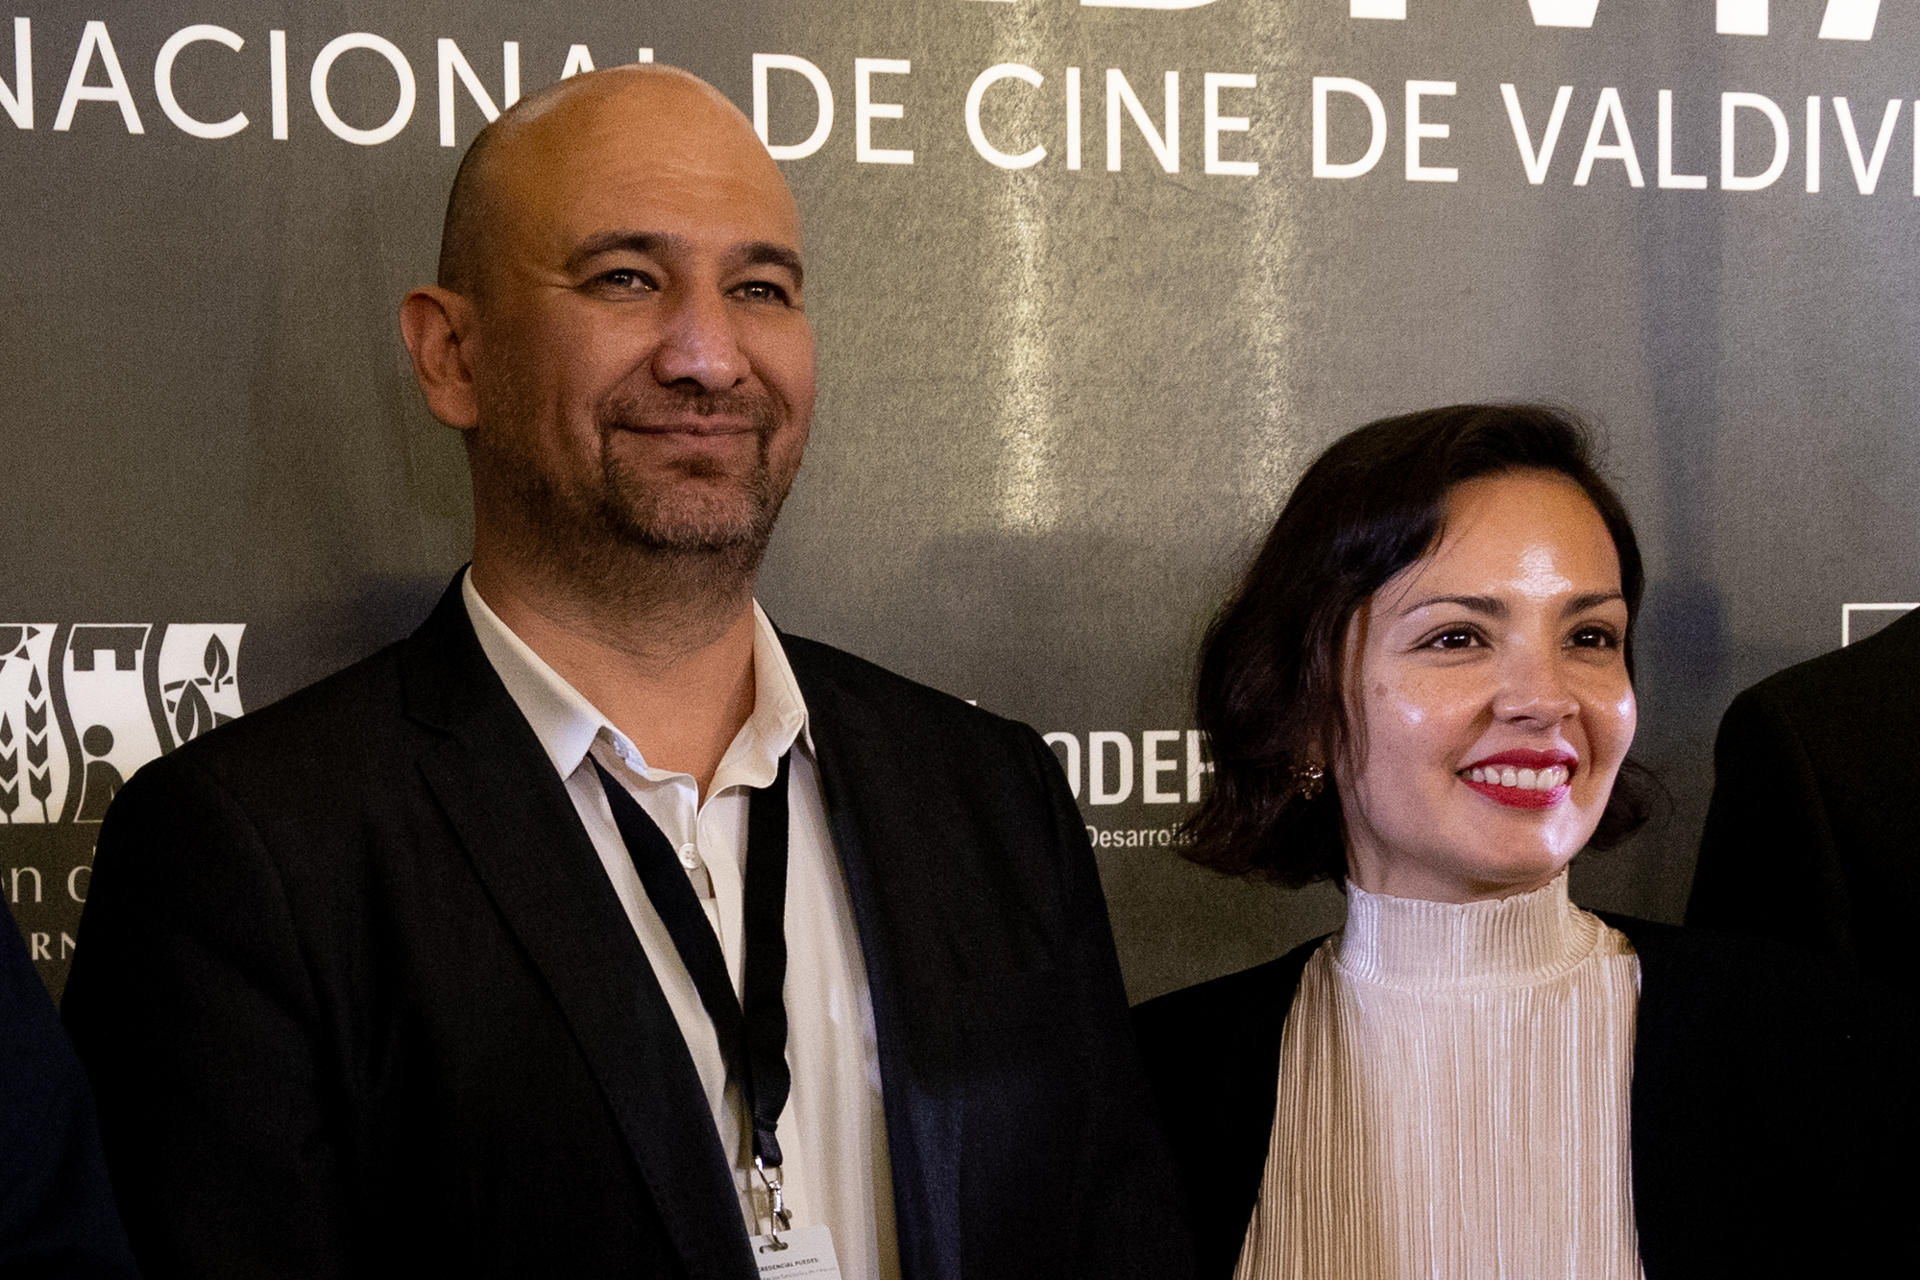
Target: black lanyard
752, 1030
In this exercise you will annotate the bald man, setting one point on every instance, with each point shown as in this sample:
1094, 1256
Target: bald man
598, 928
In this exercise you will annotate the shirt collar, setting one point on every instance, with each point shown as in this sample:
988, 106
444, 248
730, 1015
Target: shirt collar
567, 725
1414, 944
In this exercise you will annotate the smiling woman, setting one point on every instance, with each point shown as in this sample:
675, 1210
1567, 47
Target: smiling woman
1440, 533
1490, 692
1424, 688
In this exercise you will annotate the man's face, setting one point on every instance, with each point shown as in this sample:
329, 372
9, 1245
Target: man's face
643, 367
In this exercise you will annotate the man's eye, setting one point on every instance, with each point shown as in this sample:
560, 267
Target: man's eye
625, 279
761, 291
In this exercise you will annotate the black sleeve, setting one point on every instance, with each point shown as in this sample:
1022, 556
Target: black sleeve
192, 1008
1212, 1058
56, 1209
1773, 1113
1768, 861
1130, 1220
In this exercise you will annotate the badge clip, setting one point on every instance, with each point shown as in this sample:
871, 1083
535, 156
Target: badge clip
782, 1216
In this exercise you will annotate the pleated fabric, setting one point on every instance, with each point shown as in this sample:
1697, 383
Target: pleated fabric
1453, 1098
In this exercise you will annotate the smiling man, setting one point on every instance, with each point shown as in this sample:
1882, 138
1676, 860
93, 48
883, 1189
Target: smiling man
599, 928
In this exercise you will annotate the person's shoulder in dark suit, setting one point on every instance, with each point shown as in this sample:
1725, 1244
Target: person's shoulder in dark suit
1773, 1111
1813, 832
1013, 944
197, 994
264, 885
57, 1217
950, 742
913, 710
1211, 1053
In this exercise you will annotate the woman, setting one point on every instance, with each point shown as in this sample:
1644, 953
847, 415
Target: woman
1424, 686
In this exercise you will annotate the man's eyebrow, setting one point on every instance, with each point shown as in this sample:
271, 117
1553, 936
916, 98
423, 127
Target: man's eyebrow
764, 253
645, 242
1477, 604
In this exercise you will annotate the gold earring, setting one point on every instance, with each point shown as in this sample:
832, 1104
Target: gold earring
1309, 779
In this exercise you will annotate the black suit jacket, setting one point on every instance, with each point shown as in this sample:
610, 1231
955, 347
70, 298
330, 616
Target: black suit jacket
358, 998
1813, 835
1772, 1119
56, 1210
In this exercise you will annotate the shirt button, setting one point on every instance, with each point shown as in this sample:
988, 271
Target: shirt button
689, 857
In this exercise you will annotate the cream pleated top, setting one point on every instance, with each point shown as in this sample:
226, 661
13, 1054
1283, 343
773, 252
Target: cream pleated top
1454, 1098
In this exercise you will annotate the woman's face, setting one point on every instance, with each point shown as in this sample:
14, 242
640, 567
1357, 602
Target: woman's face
1489, 691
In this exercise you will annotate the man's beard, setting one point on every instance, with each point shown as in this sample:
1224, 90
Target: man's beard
691, 523
730, 517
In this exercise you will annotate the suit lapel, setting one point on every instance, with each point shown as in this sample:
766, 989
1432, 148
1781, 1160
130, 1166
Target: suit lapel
520, 831
852, 746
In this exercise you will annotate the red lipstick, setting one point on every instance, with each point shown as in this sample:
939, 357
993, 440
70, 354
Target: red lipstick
1527, 793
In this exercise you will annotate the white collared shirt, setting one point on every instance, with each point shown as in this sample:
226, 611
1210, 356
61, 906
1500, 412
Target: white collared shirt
833, 1130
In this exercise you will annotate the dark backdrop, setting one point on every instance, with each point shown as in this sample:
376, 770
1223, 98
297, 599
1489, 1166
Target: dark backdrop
1057, 403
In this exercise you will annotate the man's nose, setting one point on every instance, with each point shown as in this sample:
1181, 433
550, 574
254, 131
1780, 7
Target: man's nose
699, 344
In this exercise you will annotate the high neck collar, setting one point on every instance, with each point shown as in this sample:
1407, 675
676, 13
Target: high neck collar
1414, 944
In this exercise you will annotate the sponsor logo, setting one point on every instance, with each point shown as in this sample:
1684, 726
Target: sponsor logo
84, 704
1153, 766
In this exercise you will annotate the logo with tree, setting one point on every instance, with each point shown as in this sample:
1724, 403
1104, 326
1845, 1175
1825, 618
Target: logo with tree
14, 648
82, 705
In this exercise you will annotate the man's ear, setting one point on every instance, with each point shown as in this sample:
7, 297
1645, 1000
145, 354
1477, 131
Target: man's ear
438, 326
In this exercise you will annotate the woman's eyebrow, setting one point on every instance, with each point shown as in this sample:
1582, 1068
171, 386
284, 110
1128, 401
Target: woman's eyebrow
1592, 600
1478, 604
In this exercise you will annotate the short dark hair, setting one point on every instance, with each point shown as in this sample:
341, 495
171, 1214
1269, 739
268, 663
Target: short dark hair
1269, 690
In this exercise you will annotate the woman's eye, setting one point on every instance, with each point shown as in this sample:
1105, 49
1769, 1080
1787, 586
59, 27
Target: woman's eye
1594, 637
1453, 638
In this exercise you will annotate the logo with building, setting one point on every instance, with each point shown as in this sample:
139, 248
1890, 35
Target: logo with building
84, 704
